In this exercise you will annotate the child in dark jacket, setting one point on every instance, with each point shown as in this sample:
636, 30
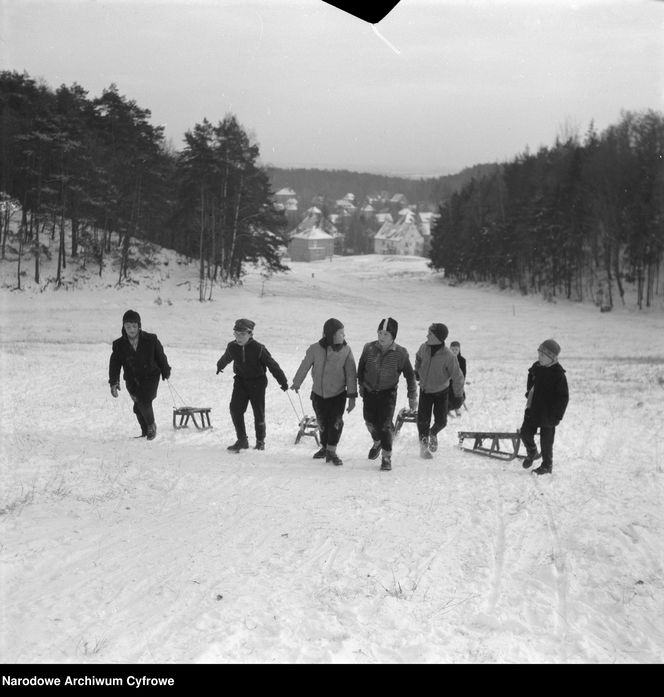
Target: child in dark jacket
141, 357
547, 394
381, 363
251, 360
456, 401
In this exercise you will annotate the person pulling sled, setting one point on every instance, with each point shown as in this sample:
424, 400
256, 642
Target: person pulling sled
141, 357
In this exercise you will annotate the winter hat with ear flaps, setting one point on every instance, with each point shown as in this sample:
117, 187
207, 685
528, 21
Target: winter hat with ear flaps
131, 316
389, 325
330, 328
550, 347
440, 331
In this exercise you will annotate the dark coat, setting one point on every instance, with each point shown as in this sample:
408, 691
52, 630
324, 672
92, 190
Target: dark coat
251, 361
550, 396
462, 364
141, 367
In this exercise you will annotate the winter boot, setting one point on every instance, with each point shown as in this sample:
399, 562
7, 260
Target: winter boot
331, 456
374, 451
151, 432
386, 462
320, 454
260, 445
425, 453
433, 442
543, 469
240, 444
531, 456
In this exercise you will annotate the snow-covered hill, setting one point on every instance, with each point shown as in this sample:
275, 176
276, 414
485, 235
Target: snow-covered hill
120, 550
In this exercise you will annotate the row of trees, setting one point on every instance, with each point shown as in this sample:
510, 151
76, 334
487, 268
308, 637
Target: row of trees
578, 219
100, 165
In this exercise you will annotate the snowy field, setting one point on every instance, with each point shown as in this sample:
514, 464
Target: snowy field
118, 550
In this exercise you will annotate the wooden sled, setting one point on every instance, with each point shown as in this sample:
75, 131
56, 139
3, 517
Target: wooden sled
404, 416
494, 448
186, 413
308, 426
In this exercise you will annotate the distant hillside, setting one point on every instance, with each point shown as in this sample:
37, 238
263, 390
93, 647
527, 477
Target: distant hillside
334, 184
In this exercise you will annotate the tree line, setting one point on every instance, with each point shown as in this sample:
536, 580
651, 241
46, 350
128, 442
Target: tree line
101, 166
309, 184
578, 220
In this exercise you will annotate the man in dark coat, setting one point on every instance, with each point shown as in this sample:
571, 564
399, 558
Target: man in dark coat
251, 360
141, 357
547, 394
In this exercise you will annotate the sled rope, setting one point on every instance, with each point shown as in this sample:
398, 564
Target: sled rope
174, 394
297, 416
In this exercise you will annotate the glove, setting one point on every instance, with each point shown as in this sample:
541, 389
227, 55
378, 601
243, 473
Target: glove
219, 371
166, 376
115, 389
351, 404
412, 404
295, 389
284, 388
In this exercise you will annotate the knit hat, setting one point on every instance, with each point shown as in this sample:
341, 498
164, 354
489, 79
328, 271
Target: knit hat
131, 316
389, 325
550, 347
244, 325
440, 331
330, 328
455, 343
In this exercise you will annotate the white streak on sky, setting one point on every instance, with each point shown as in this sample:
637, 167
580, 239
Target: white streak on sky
380, 36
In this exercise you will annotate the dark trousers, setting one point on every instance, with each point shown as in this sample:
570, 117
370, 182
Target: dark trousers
244, 392
378, 412
435, 402
455, 402
329, 415
547, 436
143, 394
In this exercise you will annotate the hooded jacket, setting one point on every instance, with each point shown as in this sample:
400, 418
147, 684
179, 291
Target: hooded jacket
550, 394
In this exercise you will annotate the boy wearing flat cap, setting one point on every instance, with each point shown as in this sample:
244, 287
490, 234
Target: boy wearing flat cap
435, 367
547, 396
378, 371
251, 361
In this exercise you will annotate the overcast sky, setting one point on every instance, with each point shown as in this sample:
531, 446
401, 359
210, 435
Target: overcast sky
436, 86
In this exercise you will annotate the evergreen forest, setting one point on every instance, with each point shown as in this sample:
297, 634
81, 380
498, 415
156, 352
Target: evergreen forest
580, 219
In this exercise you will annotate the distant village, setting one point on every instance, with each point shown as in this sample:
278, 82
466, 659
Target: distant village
382, 224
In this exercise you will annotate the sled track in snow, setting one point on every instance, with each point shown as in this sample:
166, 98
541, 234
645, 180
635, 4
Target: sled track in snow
559, 564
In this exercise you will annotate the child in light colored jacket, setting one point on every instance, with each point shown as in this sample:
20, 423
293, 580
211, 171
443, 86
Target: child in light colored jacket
334, 376
435, 367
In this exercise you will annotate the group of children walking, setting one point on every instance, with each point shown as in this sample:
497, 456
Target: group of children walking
337, 380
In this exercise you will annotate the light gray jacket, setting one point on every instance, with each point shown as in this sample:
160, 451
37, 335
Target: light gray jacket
332, 371
434, 372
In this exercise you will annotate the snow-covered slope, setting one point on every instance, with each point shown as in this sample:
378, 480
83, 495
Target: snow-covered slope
121, 550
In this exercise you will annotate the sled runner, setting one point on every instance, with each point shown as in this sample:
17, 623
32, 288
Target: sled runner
186, 413
308, 426
494, 449
404, 416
